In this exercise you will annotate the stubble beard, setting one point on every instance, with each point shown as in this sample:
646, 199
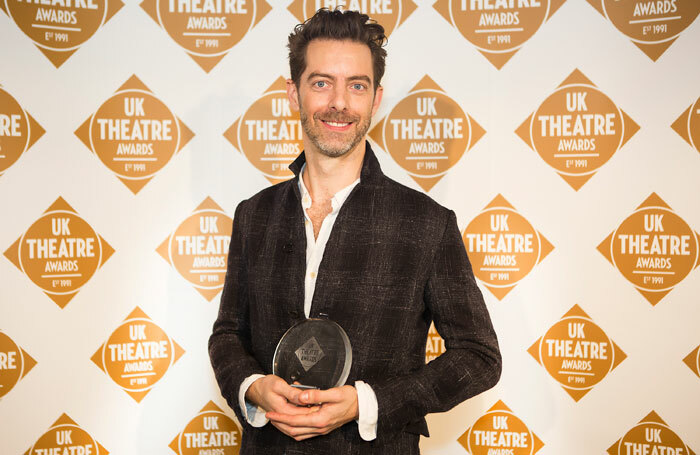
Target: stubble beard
337, 150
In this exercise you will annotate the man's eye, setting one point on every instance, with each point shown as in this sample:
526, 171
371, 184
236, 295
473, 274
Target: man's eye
358, 86
320, 84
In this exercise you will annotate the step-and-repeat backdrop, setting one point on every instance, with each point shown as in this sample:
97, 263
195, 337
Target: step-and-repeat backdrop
565, 134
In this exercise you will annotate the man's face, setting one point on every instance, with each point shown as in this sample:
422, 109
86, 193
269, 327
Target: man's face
336, 97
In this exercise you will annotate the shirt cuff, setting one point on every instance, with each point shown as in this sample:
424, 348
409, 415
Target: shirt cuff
367, 411
255, 415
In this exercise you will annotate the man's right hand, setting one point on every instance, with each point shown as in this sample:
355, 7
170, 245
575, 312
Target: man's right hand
273, 394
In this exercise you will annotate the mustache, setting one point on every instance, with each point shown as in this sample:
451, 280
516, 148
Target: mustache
335, 116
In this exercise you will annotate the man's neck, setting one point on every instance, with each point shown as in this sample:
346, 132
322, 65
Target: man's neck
324, 176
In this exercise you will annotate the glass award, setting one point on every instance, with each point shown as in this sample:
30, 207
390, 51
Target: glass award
314, 353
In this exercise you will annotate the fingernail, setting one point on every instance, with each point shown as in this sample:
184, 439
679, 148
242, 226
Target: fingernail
305, 396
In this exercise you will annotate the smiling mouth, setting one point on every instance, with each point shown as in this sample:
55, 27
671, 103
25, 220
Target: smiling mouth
337, 124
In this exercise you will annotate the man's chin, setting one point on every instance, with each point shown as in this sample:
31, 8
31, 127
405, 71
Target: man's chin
333, 152
336, 150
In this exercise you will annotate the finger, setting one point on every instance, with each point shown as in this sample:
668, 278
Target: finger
292, 409
333, 395
314, 419
284, 407
298, 433
287, 391
296, 416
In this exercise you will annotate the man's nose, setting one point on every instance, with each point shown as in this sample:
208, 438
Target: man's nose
338, 99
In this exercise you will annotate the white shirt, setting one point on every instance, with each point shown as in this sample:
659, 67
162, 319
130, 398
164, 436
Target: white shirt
366, 399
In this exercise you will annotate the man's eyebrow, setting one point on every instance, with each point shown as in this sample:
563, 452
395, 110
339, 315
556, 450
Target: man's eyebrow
361, 78
317, 74
358, 77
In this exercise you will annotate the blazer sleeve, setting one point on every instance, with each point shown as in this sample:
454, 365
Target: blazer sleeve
230, 349
472, 361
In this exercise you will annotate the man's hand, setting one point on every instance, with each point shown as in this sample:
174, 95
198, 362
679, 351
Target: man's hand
330, 409
273, 394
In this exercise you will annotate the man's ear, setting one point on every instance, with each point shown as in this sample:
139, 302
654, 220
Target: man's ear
292, 95
377, 99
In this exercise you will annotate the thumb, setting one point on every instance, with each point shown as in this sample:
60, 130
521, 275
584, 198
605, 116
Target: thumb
290, 393
310, 397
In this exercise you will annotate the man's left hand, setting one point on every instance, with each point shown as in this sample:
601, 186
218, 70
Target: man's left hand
336, 407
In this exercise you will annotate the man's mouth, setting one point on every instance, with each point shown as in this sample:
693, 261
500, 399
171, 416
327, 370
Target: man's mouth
336, 126
336, 121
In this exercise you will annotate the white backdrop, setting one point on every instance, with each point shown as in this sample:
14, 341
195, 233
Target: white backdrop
655, 338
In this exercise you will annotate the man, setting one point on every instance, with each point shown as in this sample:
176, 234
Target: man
343, 241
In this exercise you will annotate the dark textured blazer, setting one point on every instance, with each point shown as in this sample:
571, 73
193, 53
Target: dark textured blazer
394, 262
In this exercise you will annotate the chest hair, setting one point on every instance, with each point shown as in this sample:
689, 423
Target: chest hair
318, 212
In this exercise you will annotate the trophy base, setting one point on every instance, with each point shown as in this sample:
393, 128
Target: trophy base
304, 387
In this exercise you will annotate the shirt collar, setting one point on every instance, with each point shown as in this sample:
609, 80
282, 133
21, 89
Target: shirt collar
336, 201
371, 172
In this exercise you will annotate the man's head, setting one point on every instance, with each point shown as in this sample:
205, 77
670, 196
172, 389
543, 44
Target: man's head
336, 62
339, 26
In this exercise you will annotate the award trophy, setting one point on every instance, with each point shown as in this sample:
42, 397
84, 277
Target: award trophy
313, 354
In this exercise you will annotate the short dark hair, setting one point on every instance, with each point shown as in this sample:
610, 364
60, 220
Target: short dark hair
337, 25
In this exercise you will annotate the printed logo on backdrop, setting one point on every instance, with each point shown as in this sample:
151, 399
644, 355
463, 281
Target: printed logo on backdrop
503, 246
650, 436
134, 134
389, 13
652, 25
653, 248
577, 129
66, 437
15, 363
206, 29
18, 130
577, 353
692, 360
499, 431
688, 125
59, 27
209, 432
59, 252
435, 345
427, 133
497, 28
269, 134
198, 248
137, 354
